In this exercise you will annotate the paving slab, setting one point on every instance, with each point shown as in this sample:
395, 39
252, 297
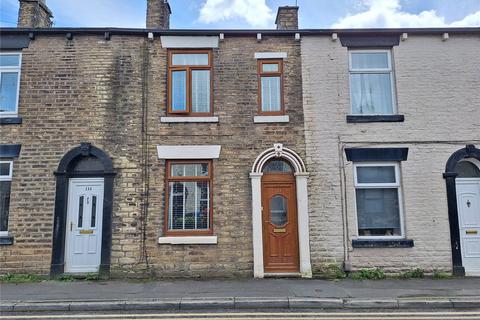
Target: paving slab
260, 303
371, 303
425, 304
97, 306
308, 303
27, 307
207, 303
466, 302
161, 304
6, 307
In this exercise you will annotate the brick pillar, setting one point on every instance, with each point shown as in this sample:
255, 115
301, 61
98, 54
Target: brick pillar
158, 14
287, 18
34, 14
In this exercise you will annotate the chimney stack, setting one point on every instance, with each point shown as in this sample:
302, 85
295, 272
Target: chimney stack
158, 14
34, 14
287, 18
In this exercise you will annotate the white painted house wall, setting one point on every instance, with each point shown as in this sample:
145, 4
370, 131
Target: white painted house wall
437, 85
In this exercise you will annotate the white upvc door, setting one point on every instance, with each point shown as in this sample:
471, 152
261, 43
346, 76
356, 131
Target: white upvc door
84, 225
468, 202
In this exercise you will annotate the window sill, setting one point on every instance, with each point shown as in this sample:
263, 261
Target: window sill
10, 120
6, 240
189, 119
188, 240
377, 118
271, 119
382, 243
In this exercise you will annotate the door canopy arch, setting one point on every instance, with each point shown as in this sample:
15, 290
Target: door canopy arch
469, 152
85, 161
301, 185
84, 151
279, 151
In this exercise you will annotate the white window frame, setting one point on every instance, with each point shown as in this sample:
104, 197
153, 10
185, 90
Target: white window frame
6, 178
397, 185
388, 70
12, 69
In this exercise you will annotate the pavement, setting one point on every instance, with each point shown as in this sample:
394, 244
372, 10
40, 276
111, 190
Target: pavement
241, 294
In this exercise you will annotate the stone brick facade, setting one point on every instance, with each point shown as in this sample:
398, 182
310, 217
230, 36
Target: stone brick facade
34, 14
89, 89
287, 18
437, 92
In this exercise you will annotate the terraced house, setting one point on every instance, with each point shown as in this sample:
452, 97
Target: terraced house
237, 152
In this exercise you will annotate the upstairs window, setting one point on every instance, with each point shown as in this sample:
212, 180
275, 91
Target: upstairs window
270, 76
371, 82
189, 198
10, 64
378, 200
190, 82
6, 168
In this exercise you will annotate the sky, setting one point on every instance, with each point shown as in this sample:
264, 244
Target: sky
260, 14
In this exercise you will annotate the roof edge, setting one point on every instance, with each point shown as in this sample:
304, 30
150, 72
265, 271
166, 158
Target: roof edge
239, 32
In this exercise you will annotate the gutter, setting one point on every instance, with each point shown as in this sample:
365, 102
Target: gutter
240, 32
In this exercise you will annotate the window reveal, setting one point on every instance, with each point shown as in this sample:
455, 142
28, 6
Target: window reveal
190, 82
371, 82
270, 74
10, 64
189, 206
6, 168
378, 200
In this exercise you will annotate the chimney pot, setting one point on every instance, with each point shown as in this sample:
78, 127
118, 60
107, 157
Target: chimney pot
287, 18
158, 14
34, 14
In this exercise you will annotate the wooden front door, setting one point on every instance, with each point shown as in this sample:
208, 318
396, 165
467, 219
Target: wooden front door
280, 227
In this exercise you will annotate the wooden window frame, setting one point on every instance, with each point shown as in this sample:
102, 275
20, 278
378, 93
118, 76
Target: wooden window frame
188, 69
169, 178
262, 74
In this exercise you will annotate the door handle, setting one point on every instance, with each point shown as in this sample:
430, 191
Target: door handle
71, 225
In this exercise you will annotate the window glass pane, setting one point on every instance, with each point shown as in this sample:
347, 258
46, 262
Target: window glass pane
278, 210
9, 60
80, 212
376, 174
200, 90
179, 91
271, 94
270, 67
277, 166
4, 204
466, 169
189, 205
94, 212
8, 91
190, 59
189, 170
378, 212
370, 60
371, 93
5, 169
